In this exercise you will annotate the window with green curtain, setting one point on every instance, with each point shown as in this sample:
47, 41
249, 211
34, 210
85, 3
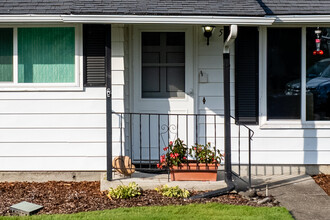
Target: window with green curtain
6, 54
46, 55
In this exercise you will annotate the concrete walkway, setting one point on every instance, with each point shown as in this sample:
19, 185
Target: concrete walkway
299, 194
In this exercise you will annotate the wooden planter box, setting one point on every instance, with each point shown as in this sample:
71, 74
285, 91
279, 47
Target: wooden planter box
194, 172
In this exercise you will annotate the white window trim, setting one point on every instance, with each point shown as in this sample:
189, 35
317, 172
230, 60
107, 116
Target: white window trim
294, 123
76, 86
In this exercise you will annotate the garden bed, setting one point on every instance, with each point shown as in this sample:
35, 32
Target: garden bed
323, 181
73, 197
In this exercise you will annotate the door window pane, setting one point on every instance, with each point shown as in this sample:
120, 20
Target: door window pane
46, 55
6, 54
283, 73
318, 76
163, 64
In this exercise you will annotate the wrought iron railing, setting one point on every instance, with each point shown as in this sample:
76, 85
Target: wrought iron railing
142, 137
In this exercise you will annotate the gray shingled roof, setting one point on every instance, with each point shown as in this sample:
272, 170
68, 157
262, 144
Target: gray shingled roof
35, 6
167, 7
296, 7
170, 7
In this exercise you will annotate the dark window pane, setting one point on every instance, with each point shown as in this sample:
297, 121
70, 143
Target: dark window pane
175, 39
175, 79
163, 64
318, 76
283, 73
6, 55
151, 58
150, 39
150, 79
175, 57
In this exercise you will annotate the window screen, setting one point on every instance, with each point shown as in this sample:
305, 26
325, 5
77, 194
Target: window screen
6, 54
46, 55
163, 64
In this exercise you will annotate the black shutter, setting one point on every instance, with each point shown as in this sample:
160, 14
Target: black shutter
246, 75
94, 54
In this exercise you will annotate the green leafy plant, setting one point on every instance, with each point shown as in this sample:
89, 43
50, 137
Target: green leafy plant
175, 191
205, 154
124, 192
176, 154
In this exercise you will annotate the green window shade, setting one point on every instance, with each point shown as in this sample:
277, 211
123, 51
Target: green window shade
46, 55
6, 54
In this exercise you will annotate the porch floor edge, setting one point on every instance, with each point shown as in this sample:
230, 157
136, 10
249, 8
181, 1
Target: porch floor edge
151, 181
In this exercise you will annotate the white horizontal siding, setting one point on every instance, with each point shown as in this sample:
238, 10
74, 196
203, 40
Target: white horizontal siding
212, 89
67, 149
19, 121
53, 163
87, 94
52, 135
52, 106
54, 131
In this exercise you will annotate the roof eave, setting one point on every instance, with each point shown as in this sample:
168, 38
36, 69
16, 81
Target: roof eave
138, 19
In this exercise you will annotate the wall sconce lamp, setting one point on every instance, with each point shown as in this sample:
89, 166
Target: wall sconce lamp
208, 30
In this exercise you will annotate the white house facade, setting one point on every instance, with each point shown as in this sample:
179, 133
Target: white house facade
56, 66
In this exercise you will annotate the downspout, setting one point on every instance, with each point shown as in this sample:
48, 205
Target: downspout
226, 91
226, 88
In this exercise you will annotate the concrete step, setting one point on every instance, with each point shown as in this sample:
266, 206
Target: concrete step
151, 181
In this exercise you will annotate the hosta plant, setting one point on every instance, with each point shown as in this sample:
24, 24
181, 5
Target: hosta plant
124, 192
175, 191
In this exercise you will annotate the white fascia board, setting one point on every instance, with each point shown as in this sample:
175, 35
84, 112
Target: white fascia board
146, 19
307, 19
137, 19
31, 19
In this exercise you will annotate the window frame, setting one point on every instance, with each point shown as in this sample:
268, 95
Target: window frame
76, 85
163, 84
285, 123
136, 65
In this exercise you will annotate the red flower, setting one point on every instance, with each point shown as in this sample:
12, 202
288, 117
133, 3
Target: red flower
165, 148
162, 160
171, 142
184, 158
172, 155
158, 166
176, 154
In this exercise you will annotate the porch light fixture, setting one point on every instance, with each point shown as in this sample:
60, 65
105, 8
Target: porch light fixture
208, 30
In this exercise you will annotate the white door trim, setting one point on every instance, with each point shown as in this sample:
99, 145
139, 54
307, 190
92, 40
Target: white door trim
135, 73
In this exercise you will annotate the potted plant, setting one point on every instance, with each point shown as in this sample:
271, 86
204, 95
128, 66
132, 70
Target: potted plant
203, 165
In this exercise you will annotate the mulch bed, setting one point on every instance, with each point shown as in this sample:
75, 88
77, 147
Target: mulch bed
72, 197
324, 182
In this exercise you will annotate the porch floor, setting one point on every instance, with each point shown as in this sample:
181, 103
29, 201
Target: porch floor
151, 181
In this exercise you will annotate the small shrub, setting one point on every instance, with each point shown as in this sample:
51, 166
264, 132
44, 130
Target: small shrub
124, 192
173, 191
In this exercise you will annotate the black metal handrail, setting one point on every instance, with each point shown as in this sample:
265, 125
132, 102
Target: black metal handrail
155, 130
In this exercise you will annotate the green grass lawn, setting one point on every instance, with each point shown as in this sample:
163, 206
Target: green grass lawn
194, 211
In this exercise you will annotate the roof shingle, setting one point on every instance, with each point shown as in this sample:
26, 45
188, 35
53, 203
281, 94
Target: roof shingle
167, 7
